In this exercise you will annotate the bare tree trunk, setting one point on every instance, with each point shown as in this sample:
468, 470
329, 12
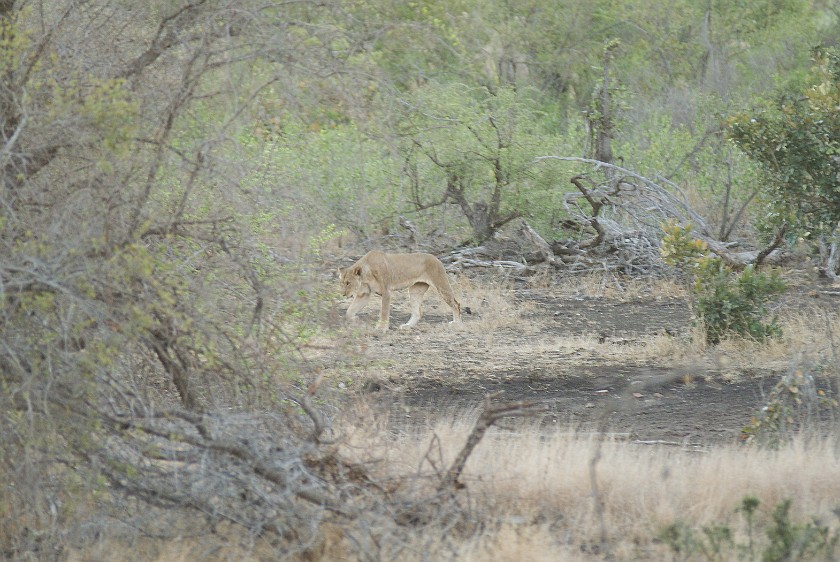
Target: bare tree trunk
832, 261
603, 143
484, 219
602, 125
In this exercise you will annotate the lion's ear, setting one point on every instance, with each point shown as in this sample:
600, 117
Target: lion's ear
356, 270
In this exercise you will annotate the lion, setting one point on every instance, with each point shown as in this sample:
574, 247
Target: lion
381, 273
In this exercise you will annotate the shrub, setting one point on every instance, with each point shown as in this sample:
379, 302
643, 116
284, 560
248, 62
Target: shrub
786, 540
731, 302
793, 406
725, 301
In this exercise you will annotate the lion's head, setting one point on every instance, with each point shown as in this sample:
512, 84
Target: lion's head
350, 279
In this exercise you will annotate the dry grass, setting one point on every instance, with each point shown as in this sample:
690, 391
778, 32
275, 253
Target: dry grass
492, 303
811, 336
529, 494
530, 497
608, 285
815, 331
534, 495
811, 331
532, 492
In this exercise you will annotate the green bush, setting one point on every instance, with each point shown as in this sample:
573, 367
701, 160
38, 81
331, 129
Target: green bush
724, 301
729, 302
784, 539
796, 138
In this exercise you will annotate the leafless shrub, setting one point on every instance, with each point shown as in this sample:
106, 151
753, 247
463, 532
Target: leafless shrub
148, 344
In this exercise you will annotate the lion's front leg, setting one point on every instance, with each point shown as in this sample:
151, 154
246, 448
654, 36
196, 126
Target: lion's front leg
385, 311
359, 302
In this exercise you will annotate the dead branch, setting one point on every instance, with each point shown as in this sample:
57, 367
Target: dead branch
620, 219
777, 240
489, 416
669, 203
533, 238
500, 264
196, 434
597, 498
830, 255
470, 257
319, 426
413, 232
596, 205
645, 204
185, 228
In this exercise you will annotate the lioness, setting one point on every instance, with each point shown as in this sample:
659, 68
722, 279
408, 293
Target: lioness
382, 273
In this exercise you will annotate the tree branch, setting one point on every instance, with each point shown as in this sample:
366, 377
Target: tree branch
777, 240
679, 208
489, 416
165, 39
593, 220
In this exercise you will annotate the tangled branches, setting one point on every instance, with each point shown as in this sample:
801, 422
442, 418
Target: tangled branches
616, 226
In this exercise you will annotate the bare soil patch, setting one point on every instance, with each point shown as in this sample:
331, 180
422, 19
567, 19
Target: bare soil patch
584, 357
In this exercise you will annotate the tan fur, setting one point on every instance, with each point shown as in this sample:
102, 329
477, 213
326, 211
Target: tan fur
381, 273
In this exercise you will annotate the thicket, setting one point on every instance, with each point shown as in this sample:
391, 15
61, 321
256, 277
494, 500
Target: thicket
170, 168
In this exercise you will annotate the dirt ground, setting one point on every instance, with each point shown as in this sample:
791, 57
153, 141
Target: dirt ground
620, 362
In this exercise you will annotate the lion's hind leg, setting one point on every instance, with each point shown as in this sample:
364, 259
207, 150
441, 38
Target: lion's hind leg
415, 294
385, 311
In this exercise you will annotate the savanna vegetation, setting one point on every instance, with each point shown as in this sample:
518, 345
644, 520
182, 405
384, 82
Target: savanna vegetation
180, 178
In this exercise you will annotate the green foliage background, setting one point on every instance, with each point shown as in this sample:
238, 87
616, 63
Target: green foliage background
796, 136
431, 70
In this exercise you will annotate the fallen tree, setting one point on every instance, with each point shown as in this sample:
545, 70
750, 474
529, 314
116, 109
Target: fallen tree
629, 204
615, 224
